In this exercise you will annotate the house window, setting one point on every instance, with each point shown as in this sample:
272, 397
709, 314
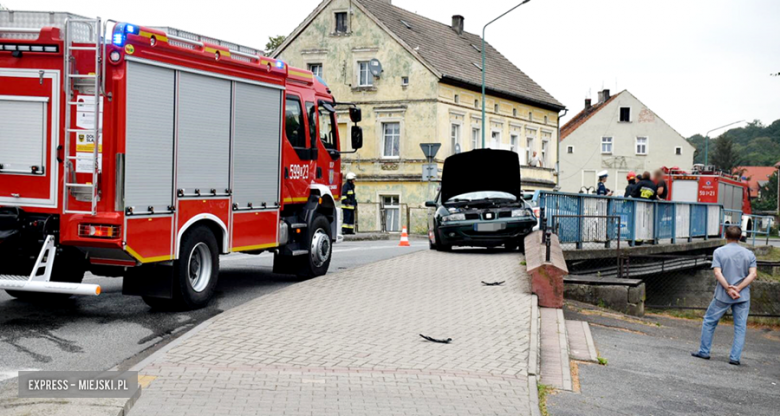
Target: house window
641, 145
475, 136
570, 150
606, 145
457, 98
391, 211
316, 69
678, 150
530, 116
476, 103
495, 140
529, 149
545, 119
495, 108
404, 81
625, 114
545, 145
391, 139
514, 112
455, 136
365, 78
513, 143
341, 22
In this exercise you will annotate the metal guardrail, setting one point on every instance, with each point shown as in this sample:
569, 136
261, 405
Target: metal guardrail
752, 225
640, 220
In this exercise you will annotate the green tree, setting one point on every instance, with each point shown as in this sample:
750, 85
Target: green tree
725, 154
273, 43
768, 199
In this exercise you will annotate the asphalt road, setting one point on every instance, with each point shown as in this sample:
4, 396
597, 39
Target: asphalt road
650, 370
98, 333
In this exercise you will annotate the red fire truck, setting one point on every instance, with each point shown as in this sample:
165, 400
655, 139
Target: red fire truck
147, 152
707, 184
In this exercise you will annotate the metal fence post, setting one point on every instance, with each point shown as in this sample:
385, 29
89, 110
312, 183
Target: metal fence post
579, 222
632, 224
690, 222
656, 222
706, 222
674, 223
547, 239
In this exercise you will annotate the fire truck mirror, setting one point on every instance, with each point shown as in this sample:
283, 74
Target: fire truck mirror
357, 137
355, 114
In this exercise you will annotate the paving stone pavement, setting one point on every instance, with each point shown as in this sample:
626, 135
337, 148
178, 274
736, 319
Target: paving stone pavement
348, 344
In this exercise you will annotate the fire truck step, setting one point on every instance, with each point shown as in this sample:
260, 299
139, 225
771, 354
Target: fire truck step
300, 253
14, 277
298, 225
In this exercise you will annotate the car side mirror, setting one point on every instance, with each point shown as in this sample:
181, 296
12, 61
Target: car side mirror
430, 204
355, 114
357, 137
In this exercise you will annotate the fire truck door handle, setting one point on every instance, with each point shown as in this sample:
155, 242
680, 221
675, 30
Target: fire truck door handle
286, 173
319, 173
59, 153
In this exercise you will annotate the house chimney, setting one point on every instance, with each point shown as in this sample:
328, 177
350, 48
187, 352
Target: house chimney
587, 103
603, 96
457, 24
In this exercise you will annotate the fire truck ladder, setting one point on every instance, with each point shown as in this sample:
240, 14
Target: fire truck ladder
85, 192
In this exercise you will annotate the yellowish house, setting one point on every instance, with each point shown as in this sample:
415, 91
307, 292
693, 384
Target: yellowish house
419, 81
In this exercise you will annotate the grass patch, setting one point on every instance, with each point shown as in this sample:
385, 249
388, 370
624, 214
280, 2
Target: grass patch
602, 360
523, 263
756, 322
543, 390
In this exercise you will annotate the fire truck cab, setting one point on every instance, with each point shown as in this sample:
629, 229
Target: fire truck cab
147, 152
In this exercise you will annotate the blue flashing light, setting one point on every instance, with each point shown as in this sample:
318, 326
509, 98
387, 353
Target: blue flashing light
131, 29
119, 39
279, 64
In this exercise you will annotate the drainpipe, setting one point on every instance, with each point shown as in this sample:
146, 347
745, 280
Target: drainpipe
558, 149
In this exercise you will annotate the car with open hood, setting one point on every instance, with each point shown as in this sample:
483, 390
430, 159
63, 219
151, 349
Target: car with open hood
480, 203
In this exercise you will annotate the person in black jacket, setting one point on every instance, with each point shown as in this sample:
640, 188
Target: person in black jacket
349, 204
662, 191
631, 177
645, 188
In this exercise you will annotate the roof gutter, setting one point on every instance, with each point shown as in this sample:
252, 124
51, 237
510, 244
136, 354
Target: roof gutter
558, 149
448, 79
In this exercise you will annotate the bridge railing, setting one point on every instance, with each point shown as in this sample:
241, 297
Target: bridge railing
755, 227
641, 220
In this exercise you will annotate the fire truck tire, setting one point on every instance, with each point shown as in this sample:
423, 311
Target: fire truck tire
69, 267
195, 273
320, 249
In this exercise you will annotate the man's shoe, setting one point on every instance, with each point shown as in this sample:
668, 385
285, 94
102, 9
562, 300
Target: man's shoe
700, 355
734, 362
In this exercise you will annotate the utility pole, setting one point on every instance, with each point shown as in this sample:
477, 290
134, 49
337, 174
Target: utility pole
483, 66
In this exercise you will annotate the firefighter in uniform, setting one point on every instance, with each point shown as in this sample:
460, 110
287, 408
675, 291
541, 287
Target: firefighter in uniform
349, 204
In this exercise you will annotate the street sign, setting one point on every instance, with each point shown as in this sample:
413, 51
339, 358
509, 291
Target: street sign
430, 172
430, 149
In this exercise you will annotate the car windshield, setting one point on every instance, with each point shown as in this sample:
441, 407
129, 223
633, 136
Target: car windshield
482, 195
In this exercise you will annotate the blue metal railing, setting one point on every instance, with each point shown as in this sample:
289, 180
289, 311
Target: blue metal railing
753, 226
640, 219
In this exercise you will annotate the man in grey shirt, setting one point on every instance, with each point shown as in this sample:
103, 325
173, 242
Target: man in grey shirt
735, 269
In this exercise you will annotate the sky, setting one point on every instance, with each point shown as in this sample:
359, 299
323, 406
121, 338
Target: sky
699, 64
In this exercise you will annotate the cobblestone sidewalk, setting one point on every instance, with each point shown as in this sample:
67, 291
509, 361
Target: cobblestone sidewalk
348, 344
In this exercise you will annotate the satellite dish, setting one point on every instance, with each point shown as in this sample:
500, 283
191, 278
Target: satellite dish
375, 67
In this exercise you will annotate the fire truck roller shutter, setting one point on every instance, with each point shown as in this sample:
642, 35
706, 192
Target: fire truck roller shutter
149, 137
22, 142
204, 134
258, 115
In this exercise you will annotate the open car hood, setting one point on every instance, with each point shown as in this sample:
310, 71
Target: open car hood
481, 170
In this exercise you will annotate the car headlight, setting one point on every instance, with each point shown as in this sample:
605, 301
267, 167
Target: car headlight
525, 212
454, 217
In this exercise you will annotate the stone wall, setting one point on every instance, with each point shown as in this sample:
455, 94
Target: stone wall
627, 299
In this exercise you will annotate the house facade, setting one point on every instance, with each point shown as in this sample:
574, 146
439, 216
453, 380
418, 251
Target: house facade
618, 134
427, 91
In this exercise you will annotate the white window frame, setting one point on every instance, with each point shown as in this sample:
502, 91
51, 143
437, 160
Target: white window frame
570, 150
513, 139
369, 80
610, 142
544, 151
380, 198
620, 110
404, 81
455, 139
493, 134
529, 148
678, 151
476, 136
383, 137
311, 67
646, 145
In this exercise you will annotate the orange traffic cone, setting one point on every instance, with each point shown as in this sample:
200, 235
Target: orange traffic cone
404, 238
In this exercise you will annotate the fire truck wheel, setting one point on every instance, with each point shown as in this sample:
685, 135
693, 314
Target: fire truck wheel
196, 270
320, 249
69, 267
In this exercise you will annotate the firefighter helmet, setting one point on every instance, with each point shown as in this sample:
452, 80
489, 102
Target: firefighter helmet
603, 173
351, 176
631, 175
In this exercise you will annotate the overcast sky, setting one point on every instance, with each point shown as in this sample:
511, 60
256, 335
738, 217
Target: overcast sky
698, 64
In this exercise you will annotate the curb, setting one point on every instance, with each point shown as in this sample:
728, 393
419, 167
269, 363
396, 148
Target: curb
533, 358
